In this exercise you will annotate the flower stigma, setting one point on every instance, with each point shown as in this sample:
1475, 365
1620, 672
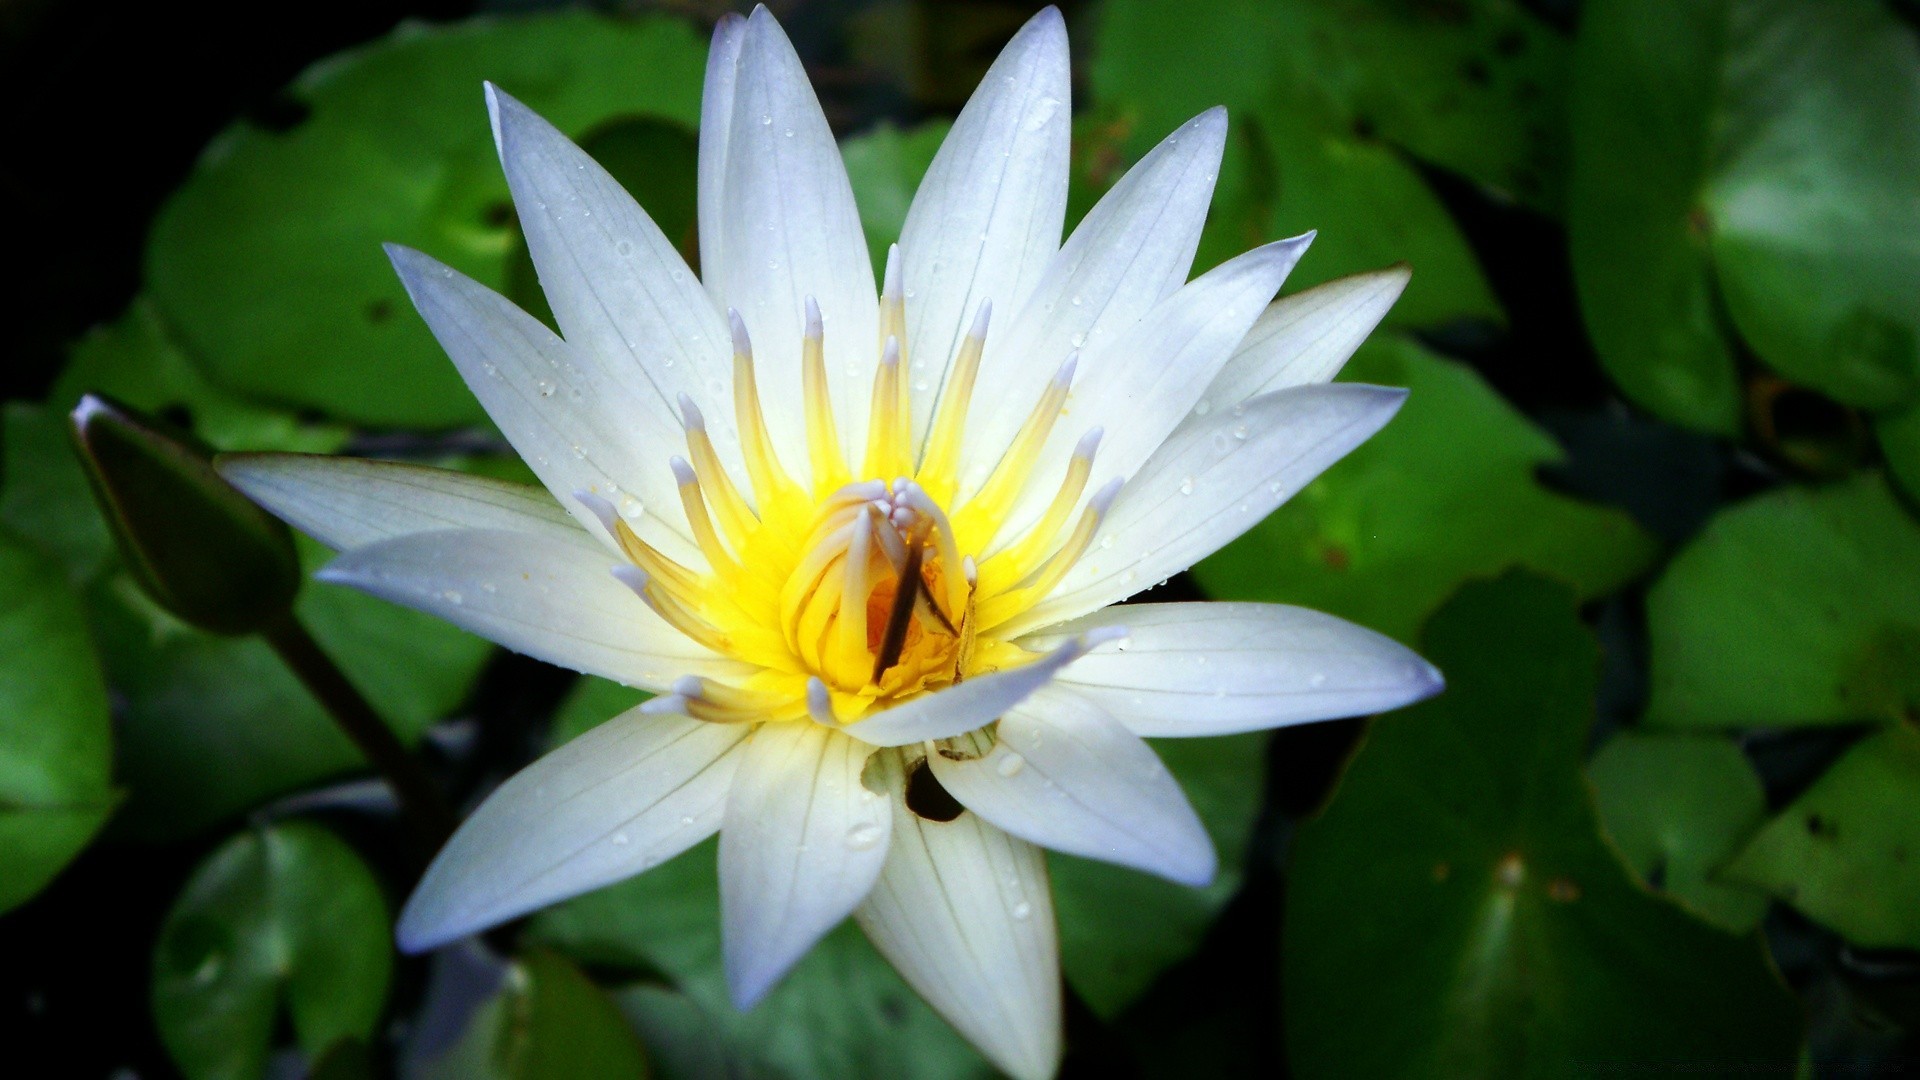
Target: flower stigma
853, 590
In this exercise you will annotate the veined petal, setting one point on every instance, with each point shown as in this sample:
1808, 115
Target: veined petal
622, 798
351, 502
572, 424
790, 230
1139, 385
1221, 668
550, 600
1216, 477
987, 218
1132, 250
802, 843
1307, 337
965, 913
622, 295
972, 704
716, 130
1065, 775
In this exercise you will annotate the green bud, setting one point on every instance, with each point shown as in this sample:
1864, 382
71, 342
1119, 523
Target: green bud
201, 549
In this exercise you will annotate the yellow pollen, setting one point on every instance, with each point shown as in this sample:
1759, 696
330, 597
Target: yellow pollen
861, 590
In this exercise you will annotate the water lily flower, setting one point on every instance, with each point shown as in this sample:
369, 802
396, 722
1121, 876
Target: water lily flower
864, 543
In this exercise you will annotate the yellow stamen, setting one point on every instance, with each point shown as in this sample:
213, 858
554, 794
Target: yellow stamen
1006, 605
1012, 565
770, 482
670, 609
982, 517
828, 464
939, 466
696, 507
736, 517
886, 426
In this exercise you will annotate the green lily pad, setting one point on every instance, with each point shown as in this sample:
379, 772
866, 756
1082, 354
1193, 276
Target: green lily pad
1455, 912
1758, 156
1798, 607
268, 259
1679, 807
885, 166
1296, 156
1899, 435
1446, 492
55, 748
281, 916
1846, 853
548, 1022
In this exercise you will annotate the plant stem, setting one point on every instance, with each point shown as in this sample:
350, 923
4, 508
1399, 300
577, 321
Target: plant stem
420, 801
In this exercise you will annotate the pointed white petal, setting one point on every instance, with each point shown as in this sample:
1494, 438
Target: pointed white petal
622, 798
568, 419
1220, 668
1065, 775
351, 502
550, 600
971, 704
789, 229
965, 913
623, 297
802, 843
716, 128
1131, 251
987, 218
1307, 337
1139, 385
1215, 478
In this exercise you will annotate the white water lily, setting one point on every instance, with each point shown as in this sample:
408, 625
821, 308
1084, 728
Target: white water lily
864, 541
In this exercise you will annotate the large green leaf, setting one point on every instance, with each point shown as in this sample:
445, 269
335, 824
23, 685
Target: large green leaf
268, 259
1679, 807
55, 749
1847, 852
547, 1022
1445, 493
1303, 81
1455, 911
1759, 154
1899, 435
1800, 606
285, 915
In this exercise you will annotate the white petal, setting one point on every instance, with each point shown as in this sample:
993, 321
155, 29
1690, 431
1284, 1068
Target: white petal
1220, 668
571, 422
971, 704
351, 502
1139, 385
1131, 251
553, 601
965, 913
987, 218
1065, 775
802, 843
622, 295
789, 230
1307, 337
1215, 478
716, 129
622, 798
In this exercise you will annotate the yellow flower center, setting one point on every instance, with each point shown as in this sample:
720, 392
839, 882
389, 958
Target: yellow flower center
868, 587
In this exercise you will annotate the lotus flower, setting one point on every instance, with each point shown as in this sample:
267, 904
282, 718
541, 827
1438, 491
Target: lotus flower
864, 543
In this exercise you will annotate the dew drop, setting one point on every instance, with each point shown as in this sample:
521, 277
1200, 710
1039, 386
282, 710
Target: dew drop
618, 838
453, 596
766, 118
1076, 301
1186, 485
630, 508
679, 275
546, 388
686, 820
623, 248
1022, 910
1010, 764
1240, 432
1220, 441
1318, 680
863, 837
788, 133
1202, 407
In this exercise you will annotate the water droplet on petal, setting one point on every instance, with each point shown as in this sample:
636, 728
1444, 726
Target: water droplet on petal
863, 837
1240, 431
1022, 910
623, 248
1186, 485
453, 596
618, 838
546, 388
1010, 764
